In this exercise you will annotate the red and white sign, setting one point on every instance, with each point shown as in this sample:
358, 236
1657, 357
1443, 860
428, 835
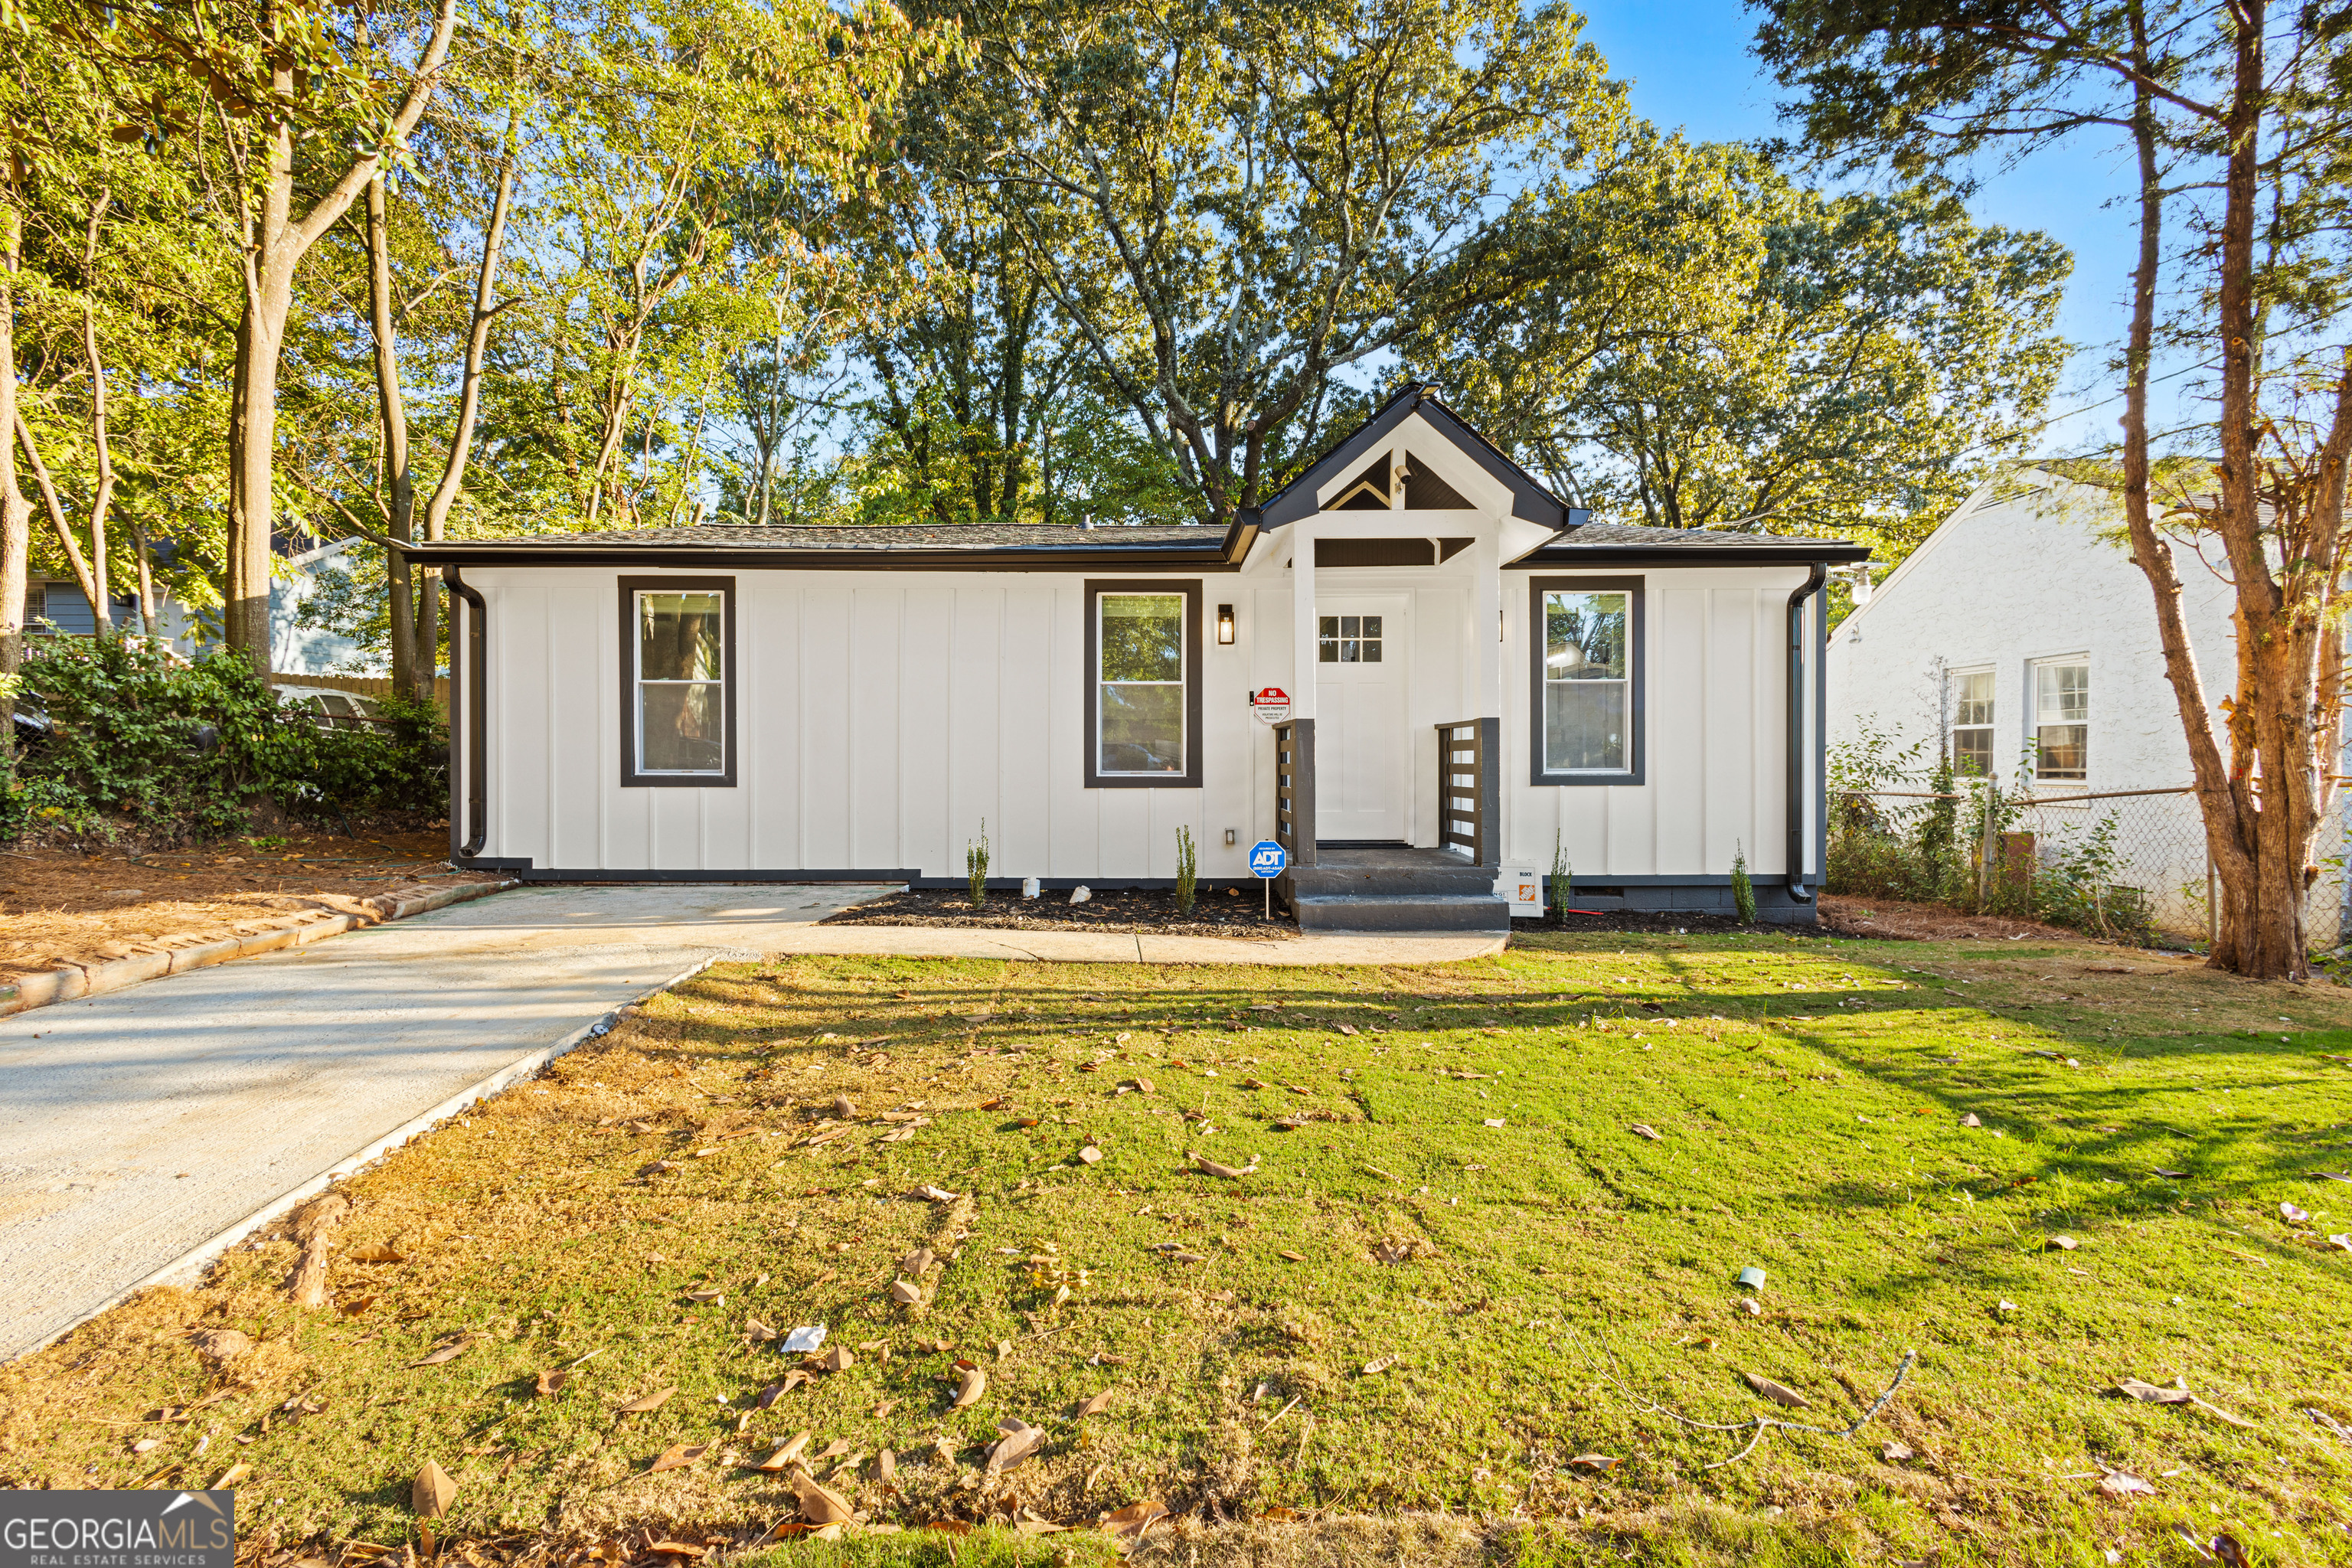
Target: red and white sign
1272, 705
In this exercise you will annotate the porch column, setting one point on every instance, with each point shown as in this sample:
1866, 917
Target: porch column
1486, 625
1302, 620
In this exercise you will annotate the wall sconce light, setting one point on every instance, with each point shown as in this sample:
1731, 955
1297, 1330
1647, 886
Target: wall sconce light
1225, 625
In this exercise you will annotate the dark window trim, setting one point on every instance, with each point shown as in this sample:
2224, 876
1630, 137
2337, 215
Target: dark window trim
1191, 588
1636, 590
630, 588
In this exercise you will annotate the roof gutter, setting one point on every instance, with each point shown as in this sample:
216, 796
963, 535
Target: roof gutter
468, 674
1814, 578
1203, 557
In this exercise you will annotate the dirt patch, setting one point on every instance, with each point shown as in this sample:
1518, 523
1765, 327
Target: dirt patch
1930, 922
1218, 911
63, 906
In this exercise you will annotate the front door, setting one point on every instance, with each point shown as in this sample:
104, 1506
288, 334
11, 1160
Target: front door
1362, 793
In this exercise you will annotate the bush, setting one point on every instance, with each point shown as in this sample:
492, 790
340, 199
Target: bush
138, 742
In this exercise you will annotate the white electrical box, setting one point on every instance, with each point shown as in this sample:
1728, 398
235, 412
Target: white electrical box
1522, 884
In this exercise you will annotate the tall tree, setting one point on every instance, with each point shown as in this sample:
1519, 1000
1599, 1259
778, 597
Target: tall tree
2239, 122
1230, 204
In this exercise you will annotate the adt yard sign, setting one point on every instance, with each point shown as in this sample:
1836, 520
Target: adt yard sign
1268, 859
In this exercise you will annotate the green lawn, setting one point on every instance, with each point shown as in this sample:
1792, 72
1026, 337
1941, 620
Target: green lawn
1560, 1280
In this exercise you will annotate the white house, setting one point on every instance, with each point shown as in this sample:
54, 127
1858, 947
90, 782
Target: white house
2020, 639
1470, 670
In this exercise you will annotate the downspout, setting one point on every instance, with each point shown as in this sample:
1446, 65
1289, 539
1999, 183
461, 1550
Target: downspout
468, 673
1814, 578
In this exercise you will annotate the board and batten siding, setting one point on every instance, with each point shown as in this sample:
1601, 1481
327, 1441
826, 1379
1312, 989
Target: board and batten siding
1716, 696
880, 716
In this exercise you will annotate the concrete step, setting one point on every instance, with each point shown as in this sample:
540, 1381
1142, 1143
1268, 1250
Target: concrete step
1402, 911
1461, 880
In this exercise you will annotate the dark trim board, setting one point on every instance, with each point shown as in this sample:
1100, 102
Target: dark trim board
1569, 557
630, 588
1637, 653
1690, 895
1096, 587
1206, 557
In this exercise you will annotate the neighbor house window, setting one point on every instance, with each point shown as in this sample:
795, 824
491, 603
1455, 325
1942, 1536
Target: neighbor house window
1143, 699
2062, 721
677, 680
1587, 681
1972, 723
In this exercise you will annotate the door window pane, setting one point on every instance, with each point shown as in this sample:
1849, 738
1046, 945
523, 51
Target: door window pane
681, 689
1587, 681
1140, 684
2062, 721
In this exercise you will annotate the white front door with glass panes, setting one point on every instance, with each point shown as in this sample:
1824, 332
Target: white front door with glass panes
1363, 785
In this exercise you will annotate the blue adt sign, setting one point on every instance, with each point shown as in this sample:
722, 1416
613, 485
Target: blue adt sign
1267, 858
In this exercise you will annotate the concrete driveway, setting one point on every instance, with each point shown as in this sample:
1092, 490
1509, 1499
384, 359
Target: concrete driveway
138, 1128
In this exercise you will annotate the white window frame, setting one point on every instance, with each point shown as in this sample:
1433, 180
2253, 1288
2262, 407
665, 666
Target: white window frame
2033, 670
634, 773
1990, 725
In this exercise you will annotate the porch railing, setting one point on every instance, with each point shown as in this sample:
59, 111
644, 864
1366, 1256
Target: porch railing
1469, 788
1293, 789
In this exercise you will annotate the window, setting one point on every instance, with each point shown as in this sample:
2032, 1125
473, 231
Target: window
1348, 639
1972, 723
2062, 721
1143, 699
677, 681
1587, 681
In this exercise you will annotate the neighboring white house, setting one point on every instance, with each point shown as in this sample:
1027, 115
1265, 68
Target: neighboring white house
2020, 639
296, 649
1472, 672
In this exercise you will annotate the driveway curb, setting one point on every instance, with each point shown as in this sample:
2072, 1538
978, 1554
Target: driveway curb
188, 1268
69, 981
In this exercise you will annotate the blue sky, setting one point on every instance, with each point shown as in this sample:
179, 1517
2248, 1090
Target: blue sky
1690, 67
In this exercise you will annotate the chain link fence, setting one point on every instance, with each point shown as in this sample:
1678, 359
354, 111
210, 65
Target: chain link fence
2125, 863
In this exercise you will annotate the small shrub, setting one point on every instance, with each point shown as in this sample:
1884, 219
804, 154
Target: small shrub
1743, 891
1187, 870
1562, 880
975, 866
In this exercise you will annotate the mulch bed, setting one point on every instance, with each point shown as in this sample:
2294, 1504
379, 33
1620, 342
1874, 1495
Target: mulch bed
61, 905
1218, 911
1658, 922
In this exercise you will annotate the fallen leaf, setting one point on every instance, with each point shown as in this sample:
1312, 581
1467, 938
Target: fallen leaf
916, 1263
1597, 1463
677, 1549
2293, 1215
2117, 1483
432, 1492
905, 1293
1778, 1394
968, 1391
1090, 1154
1019, 1442
653, 1401
1373, 1368
552, 1383
2170, 1176
936, 1194
2149, 1394
996, 1104
373, 1252
231, 1476
1972, 1119
843, 1107
220, 1346
2341, 1243
1895, 1453
2060, 1243
786, 1454
819, 1506
758, 1332
1129, 1523
1646, 1131
833, 1450
1279, 1514
449, 1350
1094, 1407
354, 1307
146, 1445
1292, 1257
840, 1357
1213, 1168
678, 1456
706, 1296
950, 1526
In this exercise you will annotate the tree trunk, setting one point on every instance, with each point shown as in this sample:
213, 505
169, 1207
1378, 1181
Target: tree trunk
56, 510
149, 612
392, 419
15, 511
102, 495
277, 239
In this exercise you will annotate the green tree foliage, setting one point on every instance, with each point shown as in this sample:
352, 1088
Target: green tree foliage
1734, 350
